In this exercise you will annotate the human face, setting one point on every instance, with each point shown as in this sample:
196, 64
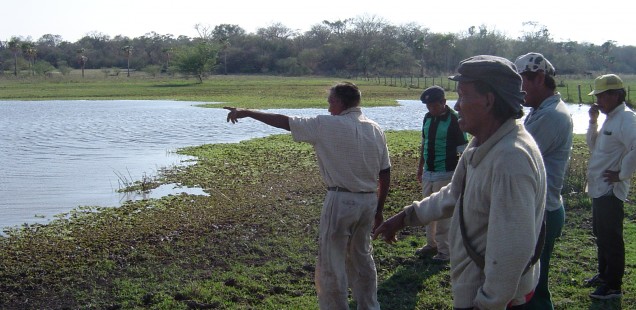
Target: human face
607, 101
437, 108
472, 107
335, 104
532, 89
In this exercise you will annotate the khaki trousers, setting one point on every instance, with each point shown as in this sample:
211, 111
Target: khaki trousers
437, 232
344, 257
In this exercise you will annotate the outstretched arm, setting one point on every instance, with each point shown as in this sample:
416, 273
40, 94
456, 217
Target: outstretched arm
275, 120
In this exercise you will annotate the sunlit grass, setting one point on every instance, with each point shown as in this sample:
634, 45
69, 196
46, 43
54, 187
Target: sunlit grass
252, 243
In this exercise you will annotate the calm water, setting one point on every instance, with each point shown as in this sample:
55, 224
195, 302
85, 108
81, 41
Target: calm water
57, 155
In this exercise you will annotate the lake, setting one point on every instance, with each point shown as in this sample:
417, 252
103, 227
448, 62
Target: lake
58, 155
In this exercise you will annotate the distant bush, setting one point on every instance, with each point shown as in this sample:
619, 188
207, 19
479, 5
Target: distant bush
152, 70
42, 67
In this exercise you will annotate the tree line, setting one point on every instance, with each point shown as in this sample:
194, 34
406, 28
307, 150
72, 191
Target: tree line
362, 46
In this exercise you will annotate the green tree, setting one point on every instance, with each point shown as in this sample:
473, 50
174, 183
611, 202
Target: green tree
224, 34
14, 46
197, 60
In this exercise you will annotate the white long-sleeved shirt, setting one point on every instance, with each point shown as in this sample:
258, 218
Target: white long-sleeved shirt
612, 148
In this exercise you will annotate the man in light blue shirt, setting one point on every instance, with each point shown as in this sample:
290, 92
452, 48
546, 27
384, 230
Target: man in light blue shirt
550, 124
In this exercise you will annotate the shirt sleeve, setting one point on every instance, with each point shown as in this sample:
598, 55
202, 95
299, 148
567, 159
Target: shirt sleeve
628, 137
591, 135
304, 129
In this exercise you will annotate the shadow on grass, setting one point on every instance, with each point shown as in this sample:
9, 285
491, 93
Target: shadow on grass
172, 85
414, 276
608, 304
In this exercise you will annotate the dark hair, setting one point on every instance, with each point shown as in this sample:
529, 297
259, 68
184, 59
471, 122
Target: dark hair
348, 93
549, 81
501, 109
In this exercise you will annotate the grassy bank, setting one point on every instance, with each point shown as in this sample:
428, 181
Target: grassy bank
246, 91
251, 244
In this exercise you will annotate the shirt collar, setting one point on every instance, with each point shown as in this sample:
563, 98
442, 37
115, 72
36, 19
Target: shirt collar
480, 152
351, 110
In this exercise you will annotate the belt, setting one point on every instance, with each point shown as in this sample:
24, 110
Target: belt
342, 189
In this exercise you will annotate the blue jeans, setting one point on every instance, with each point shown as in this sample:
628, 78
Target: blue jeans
554, 222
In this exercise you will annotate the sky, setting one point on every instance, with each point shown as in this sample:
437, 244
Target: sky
73, 19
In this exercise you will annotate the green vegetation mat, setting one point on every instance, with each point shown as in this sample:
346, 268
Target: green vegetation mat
252, 243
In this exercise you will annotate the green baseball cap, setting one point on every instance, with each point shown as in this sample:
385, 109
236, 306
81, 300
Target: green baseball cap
606, 82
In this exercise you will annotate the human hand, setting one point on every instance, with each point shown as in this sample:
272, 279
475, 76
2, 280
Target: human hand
593, 112
235, 114
389, 228
611, 176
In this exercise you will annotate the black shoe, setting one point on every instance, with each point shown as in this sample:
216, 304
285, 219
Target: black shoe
594, 281
604, 292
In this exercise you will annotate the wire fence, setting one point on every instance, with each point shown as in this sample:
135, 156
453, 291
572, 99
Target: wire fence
571, 92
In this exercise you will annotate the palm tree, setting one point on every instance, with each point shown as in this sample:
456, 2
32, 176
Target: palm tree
82, 59
14, 46
29, 50
128, 51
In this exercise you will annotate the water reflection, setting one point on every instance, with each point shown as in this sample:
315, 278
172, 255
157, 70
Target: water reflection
57, 155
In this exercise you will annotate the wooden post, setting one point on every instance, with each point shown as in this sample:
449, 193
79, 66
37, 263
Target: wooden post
580, 98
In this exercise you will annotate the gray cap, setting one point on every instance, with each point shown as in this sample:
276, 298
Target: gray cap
432, 94
498, 72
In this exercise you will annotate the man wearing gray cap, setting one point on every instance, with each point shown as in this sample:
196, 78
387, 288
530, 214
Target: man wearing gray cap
496, 198
442, 144
550, 124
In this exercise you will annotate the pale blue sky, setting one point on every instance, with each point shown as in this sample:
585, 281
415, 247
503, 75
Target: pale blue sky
73, 19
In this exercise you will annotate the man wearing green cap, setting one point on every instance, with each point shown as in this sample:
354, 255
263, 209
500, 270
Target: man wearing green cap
550, 124
496, 198
611, 165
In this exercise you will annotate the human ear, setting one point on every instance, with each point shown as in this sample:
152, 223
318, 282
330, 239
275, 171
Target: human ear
490, 100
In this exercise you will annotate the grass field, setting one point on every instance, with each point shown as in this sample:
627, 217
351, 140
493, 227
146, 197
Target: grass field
247, 91
251, 244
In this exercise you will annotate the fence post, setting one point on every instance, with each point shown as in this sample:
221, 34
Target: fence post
580, 98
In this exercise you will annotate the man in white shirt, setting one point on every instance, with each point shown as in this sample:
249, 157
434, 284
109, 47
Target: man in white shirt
354, 163
611, 165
